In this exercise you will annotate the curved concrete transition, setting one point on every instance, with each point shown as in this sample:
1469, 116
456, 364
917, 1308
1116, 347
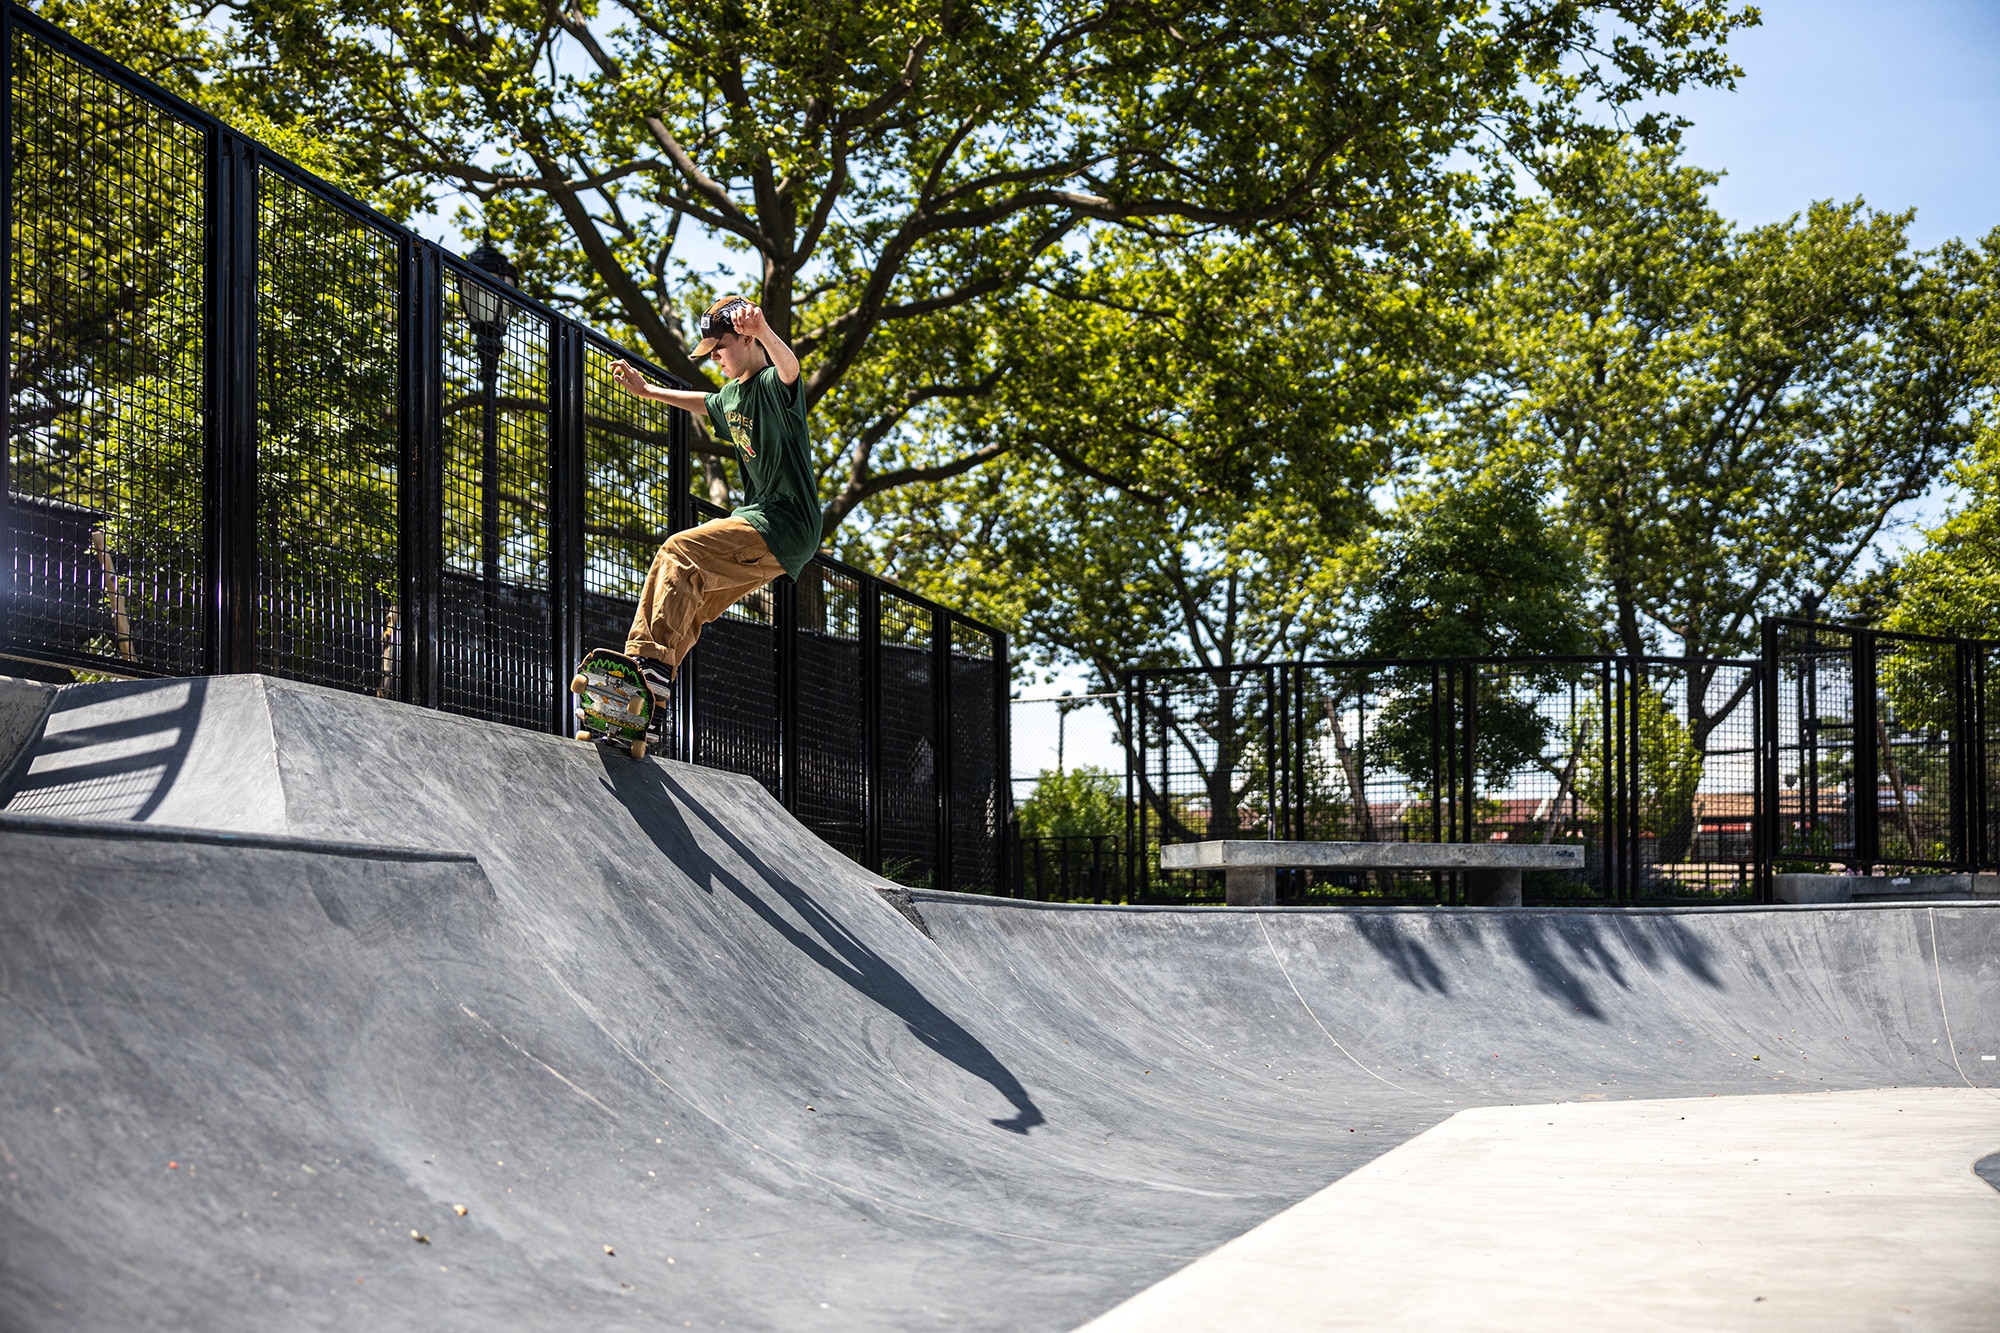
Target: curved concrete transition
287, 975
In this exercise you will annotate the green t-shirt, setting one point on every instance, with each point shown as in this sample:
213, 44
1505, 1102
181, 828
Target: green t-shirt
765, 418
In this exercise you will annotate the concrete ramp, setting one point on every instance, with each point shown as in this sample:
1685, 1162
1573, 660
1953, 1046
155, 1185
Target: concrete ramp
287, 975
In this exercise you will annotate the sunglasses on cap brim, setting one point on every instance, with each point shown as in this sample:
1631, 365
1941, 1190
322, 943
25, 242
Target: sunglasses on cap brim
718, 322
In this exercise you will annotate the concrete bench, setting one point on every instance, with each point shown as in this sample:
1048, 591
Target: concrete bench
1492, 869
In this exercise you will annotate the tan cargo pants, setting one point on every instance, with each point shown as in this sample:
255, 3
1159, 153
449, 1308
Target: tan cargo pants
697, 575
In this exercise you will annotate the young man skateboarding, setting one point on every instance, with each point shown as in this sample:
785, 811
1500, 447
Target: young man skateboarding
698, 574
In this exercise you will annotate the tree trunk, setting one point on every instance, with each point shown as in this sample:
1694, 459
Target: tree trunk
1364, 815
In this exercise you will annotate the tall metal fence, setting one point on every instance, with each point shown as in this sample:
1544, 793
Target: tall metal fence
253, 425
1681, 779
1883, 750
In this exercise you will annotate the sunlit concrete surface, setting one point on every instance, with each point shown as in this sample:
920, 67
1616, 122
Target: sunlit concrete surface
323, 1011
1839, 1210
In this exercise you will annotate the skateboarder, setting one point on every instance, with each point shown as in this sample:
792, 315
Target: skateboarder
761, 409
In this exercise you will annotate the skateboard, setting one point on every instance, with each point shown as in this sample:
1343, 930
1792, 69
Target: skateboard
614, 705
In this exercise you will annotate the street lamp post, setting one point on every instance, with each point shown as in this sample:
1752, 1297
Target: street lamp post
486, 310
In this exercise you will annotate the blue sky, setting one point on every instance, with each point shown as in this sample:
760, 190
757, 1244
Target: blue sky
1898, 102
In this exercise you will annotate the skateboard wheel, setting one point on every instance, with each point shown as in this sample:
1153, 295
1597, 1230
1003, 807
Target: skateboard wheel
577, 684
583, 735
638, 749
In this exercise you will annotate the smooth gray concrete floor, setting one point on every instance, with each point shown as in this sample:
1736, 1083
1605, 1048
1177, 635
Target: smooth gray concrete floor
1812, 1211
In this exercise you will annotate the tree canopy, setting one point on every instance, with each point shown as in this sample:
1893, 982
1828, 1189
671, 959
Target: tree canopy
897, 175
1732, 417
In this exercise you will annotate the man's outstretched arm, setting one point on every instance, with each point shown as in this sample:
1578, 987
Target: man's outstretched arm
628, 378
751, 323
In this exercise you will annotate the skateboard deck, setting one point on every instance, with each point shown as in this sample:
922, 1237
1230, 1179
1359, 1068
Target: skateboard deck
614, 705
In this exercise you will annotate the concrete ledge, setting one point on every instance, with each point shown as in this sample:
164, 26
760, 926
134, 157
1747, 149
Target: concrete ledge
1882, 888
1231, 854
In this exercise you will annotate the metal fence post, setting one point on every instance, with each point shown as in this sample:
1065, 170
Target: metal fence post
1979, 849
1867, 756
1634, 774
1607, 741
785, 633
1469, 738
1276, 768
421, 501
941, 710
871, 713
567, 470
1124, 690
229, 348
1955, 762
1769, 813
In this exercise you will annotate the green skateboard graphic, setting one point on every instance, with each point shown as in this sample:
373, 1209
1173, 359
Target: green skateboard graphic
614, 705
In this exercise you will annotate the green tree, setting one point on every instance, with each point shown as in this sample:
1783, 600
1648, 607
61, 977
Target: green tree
1074, 802
1202, 457
896, 174
1951, 584
1733, 416
1470, 564
1473, 564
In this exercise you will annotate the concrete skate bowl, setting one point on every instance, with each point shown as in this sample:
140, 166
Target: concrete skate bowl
288, 977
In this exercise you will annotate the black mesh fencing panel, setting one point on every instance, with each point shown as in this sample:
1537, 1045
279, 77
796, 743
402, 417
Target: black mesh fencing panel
1370, 766
1814, 803
735, 675
830, 741
393, 384
328, 298
497, 634
627, 509
1207, 745
1919, 739
1692, 733
105, 456
1422, 751
976, 775
627, 504
909, 768
1539, 766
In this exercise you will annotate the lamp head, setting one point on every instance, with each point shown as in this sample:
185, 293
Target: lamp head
483, 306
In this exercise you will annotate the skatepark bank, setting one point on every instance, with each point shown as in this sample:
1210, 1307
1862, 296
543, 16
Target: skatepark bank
289, 977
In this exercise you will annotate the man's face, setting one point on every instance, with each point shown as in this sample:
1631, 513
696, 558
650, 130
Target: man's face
737, 355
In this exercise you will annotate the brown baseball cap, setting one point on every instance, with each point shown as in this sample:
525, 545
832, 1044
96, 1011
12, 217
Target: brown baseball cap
717, 320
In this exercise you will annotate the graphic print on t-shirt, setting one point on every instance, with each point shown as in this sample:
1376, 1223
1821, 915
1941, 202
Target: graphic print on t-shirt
741, 425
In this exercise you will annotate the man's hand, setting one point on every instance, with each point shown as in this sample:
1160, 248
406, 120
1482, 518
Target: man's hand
627, 377
750, 322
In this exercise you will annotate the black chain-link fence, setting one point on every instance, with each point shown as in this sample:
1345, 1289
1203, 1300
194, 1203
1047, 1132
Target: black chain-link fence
1681, 780
1517, 751
255, 426
1881, 753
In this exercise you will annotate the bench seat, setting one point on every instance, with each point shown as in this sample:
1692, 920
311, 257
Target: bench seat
1492, 869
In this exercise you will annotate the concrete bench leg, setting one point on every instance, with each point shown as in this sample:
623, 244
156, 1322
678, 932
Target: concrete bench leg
1257, 886
1493, 888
